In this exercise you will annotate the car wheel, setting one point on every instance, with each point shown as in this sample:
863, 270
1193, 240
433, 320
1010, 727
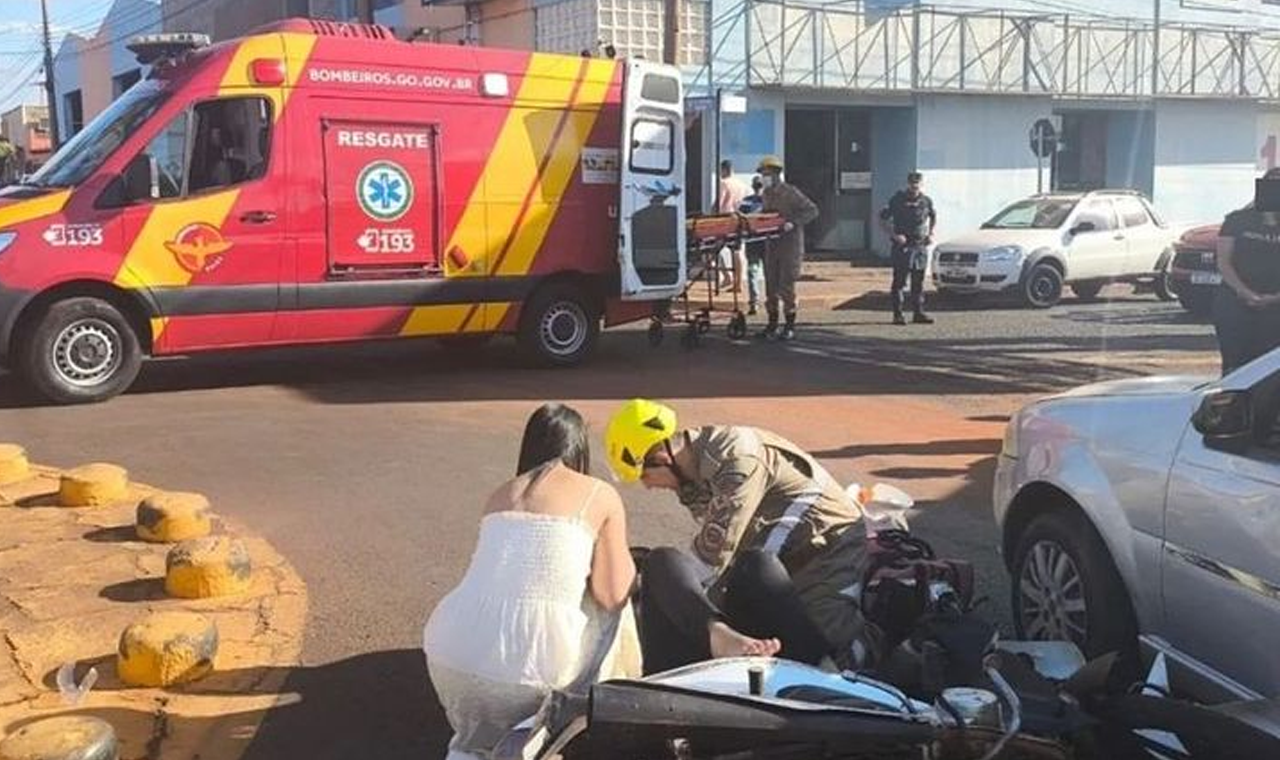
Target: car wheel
79, 351
558, 326
1042, 287
1086, 291
1066, 587
1197, 301
1163, 285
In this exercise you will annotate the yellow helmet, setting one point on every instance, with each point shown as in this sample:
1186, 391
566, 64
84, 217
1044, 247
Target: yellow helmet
770, 162
633, 430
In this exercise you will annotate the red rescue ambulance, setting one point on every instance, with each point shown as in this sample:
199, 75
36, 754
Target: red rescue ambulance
318, 182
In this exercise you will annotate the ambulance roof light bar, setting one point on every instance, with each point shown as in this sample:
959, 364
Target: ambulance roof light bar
149, 48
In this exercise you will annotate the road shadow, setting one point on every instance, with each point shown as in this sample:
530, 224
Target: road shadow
924, 449
116, 534
918, 473
376, 705
137, 590
625, 366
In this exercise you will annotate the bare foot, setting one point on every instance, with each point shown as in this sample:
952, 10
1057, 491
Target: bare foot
726, 642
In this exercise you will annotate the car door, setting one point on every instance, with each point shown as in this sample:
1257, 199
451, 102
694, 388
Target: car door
1144, 240
205, 221
1221, 559
1097, 249
651, 240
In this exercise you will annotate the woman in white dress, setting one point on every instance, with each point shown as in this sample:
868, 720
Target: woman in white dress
553, 544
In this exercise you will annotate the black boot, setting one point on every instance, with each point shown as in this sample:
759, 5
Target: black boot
919, 317
789, 332
771, 330
896, 298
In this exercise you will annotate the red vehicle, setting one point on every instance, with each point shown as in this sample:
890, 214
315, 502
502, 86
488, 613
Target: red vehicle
319, 182
1194, 275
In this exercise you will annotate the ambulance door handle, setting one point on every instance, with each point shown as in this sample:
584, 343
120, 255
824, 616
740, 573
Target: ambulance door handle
258, 217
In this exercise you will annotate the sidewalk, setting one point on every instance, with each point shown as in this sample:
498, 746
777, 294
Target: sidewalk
823, 286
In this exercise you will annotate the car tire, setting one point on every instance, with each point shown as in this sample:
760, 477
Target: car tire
1163, 285
558, 326
78, 351
1064, 582
1087, 291
1042, 287
1197, 301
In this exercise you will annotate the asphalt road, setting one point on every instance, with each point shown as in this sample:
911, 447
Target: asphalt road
367, 466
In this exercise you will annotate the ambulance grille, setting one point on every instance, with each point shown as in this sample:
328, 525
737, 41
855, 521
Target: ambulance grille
339, 29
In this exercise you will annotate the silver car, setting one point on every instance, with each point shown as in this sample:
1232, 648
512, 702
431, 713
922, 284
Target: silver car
1144, 515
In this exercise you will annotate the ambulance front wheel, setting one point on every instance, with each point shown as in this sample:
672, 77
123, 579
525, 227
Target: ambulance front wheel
80, 350
558, 326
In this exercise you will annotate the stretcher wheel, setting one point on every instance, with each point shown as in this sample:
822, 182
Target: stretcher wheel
738, 327
703, 323
691, 337
656, 333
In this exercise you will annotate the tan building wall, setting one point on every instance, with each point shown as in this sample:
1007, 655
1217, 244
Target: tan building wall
95, 75
507, 24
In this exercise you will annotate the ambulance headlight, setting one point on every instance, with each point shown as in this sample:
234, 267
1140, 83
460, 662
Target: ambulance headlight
6, 240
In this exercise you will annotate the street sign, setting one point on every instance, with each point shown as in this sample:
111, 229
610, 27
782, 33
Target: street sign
732, 103
1044, 139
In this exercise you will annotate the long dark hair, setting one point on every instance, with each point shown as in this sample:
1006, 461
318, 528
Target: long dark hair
553, 432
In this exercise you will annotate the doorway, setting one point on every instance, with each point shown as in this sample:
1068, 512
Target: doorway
828, 157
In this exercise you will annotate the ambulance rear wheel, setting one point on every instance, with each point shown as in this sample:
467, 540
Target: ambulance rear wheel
79, 351
558, 326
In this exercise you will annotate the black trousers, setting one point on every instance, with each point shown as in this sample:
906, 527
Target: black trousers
902, 272
1244, 333
759, 600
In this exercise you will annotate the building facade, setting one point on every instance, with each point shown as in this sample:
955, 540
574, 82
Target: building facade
90, 72
855, 94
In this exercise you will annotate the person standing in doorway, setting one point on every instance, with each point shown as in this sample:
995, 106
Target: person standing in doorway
783, 256
909, 220
1246, 313
732, 191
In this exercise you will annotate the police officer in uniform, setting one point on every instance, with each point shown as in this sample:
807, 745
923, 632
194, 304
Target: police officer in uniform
909, 220
777, 549
1247, 307
783, 256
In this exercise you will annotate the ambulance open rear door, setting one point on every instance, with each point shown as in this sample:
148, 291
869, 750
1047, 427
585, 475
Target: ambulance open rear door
652, 252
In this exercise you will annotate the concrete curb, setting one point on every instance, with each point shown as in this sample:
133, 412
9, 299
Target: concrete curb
72, 579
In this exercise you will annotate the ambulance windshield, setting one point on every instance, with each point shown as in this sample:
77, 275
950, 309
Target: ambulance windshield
85, 152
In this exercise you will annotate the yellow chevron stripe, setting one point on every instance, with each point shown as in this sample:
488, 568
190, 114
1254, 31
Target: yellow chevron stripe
148, 262
294, 48
34, 208
566, 155
493, 210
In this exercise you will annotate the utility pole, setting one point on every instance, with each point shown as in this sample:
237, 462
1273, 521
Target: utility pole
50, 90
671, 30
1155, 51
364, 11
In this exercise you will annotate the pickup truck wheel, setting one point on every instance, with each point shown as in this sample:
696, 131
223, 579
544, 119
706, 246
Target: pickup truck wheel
558, 326
1066, 587
1086, 291
1163, 285
79, 351
1042, 286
